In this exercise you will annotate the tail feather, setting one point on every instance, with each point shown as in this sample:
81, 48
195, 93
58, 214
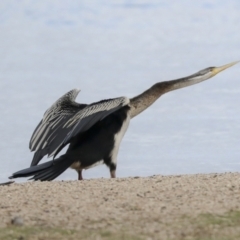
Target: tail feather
31, 170
53, 172
46, 171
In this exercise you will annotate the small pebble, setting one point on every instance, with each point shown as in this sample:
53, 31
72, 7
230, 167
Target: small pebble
17, 221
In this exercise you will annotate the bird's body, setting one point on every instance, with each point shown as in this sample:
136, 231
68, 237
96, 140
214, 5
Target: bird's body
100, 144
93, 132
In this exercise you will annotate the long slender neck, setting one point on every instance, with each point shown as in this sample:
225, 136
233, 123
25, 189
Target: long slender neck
147, 98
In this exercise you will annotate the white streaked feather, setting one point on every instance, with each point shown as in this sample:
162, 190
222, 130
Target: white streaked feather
50, 136
89, 110
56, 122
38, 134
53, 113
43, 137
45, 144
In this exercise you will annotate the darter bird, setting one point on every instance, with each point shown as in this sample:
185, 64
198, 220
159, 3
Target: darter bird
93, 131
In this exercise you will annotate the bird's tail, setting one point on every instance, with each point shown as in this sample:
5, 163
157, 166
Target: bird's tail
46, 171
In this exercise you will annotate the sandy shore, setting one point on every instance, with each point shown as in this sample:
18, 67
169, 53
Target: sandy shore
157, 207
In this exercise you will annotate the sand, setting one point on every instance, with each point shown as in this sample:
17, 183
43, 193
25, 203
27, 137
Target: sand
157, 207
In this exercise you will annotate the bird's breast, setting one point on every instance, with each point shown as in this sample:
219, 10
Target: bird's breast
119, 136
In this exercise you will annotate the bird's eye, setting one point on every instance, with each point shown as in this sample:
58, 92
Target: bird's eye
211, 68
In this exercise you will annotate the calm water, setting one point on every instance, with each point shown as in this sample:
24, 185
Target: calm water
115, 48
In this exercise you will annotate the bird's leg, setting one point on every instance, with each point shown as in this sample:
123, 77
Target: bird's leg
80, 174
112, 167
113, 173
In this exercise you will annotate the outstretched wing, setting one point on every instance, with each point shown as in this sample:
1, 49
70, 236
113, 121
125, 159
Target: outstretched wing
65, 119
86, 118
46, 134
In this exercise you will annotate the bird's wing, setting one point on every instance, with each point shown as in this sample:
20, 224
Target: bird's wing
47, 132
86, 118
65, 119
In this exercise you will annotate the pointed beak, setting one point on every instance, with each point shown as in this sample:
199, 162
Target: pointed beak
216, 70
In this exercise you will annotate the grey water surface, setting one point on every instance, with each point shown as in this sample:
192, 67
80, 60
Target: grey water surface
120, 48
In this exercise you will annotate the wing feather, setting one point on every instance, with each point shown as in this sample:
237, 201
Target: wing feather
87, 117
65, 119
44, 136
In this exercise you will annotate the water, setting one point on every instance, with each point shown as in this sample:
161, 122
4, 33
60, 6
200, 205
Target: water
120, 48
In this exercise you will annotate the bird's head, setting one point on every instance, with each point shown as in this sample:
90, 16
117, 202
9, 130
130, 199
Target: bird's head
212, 71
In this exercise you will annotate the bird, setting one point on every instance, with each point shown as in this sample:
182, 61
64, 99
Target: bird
93, 131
